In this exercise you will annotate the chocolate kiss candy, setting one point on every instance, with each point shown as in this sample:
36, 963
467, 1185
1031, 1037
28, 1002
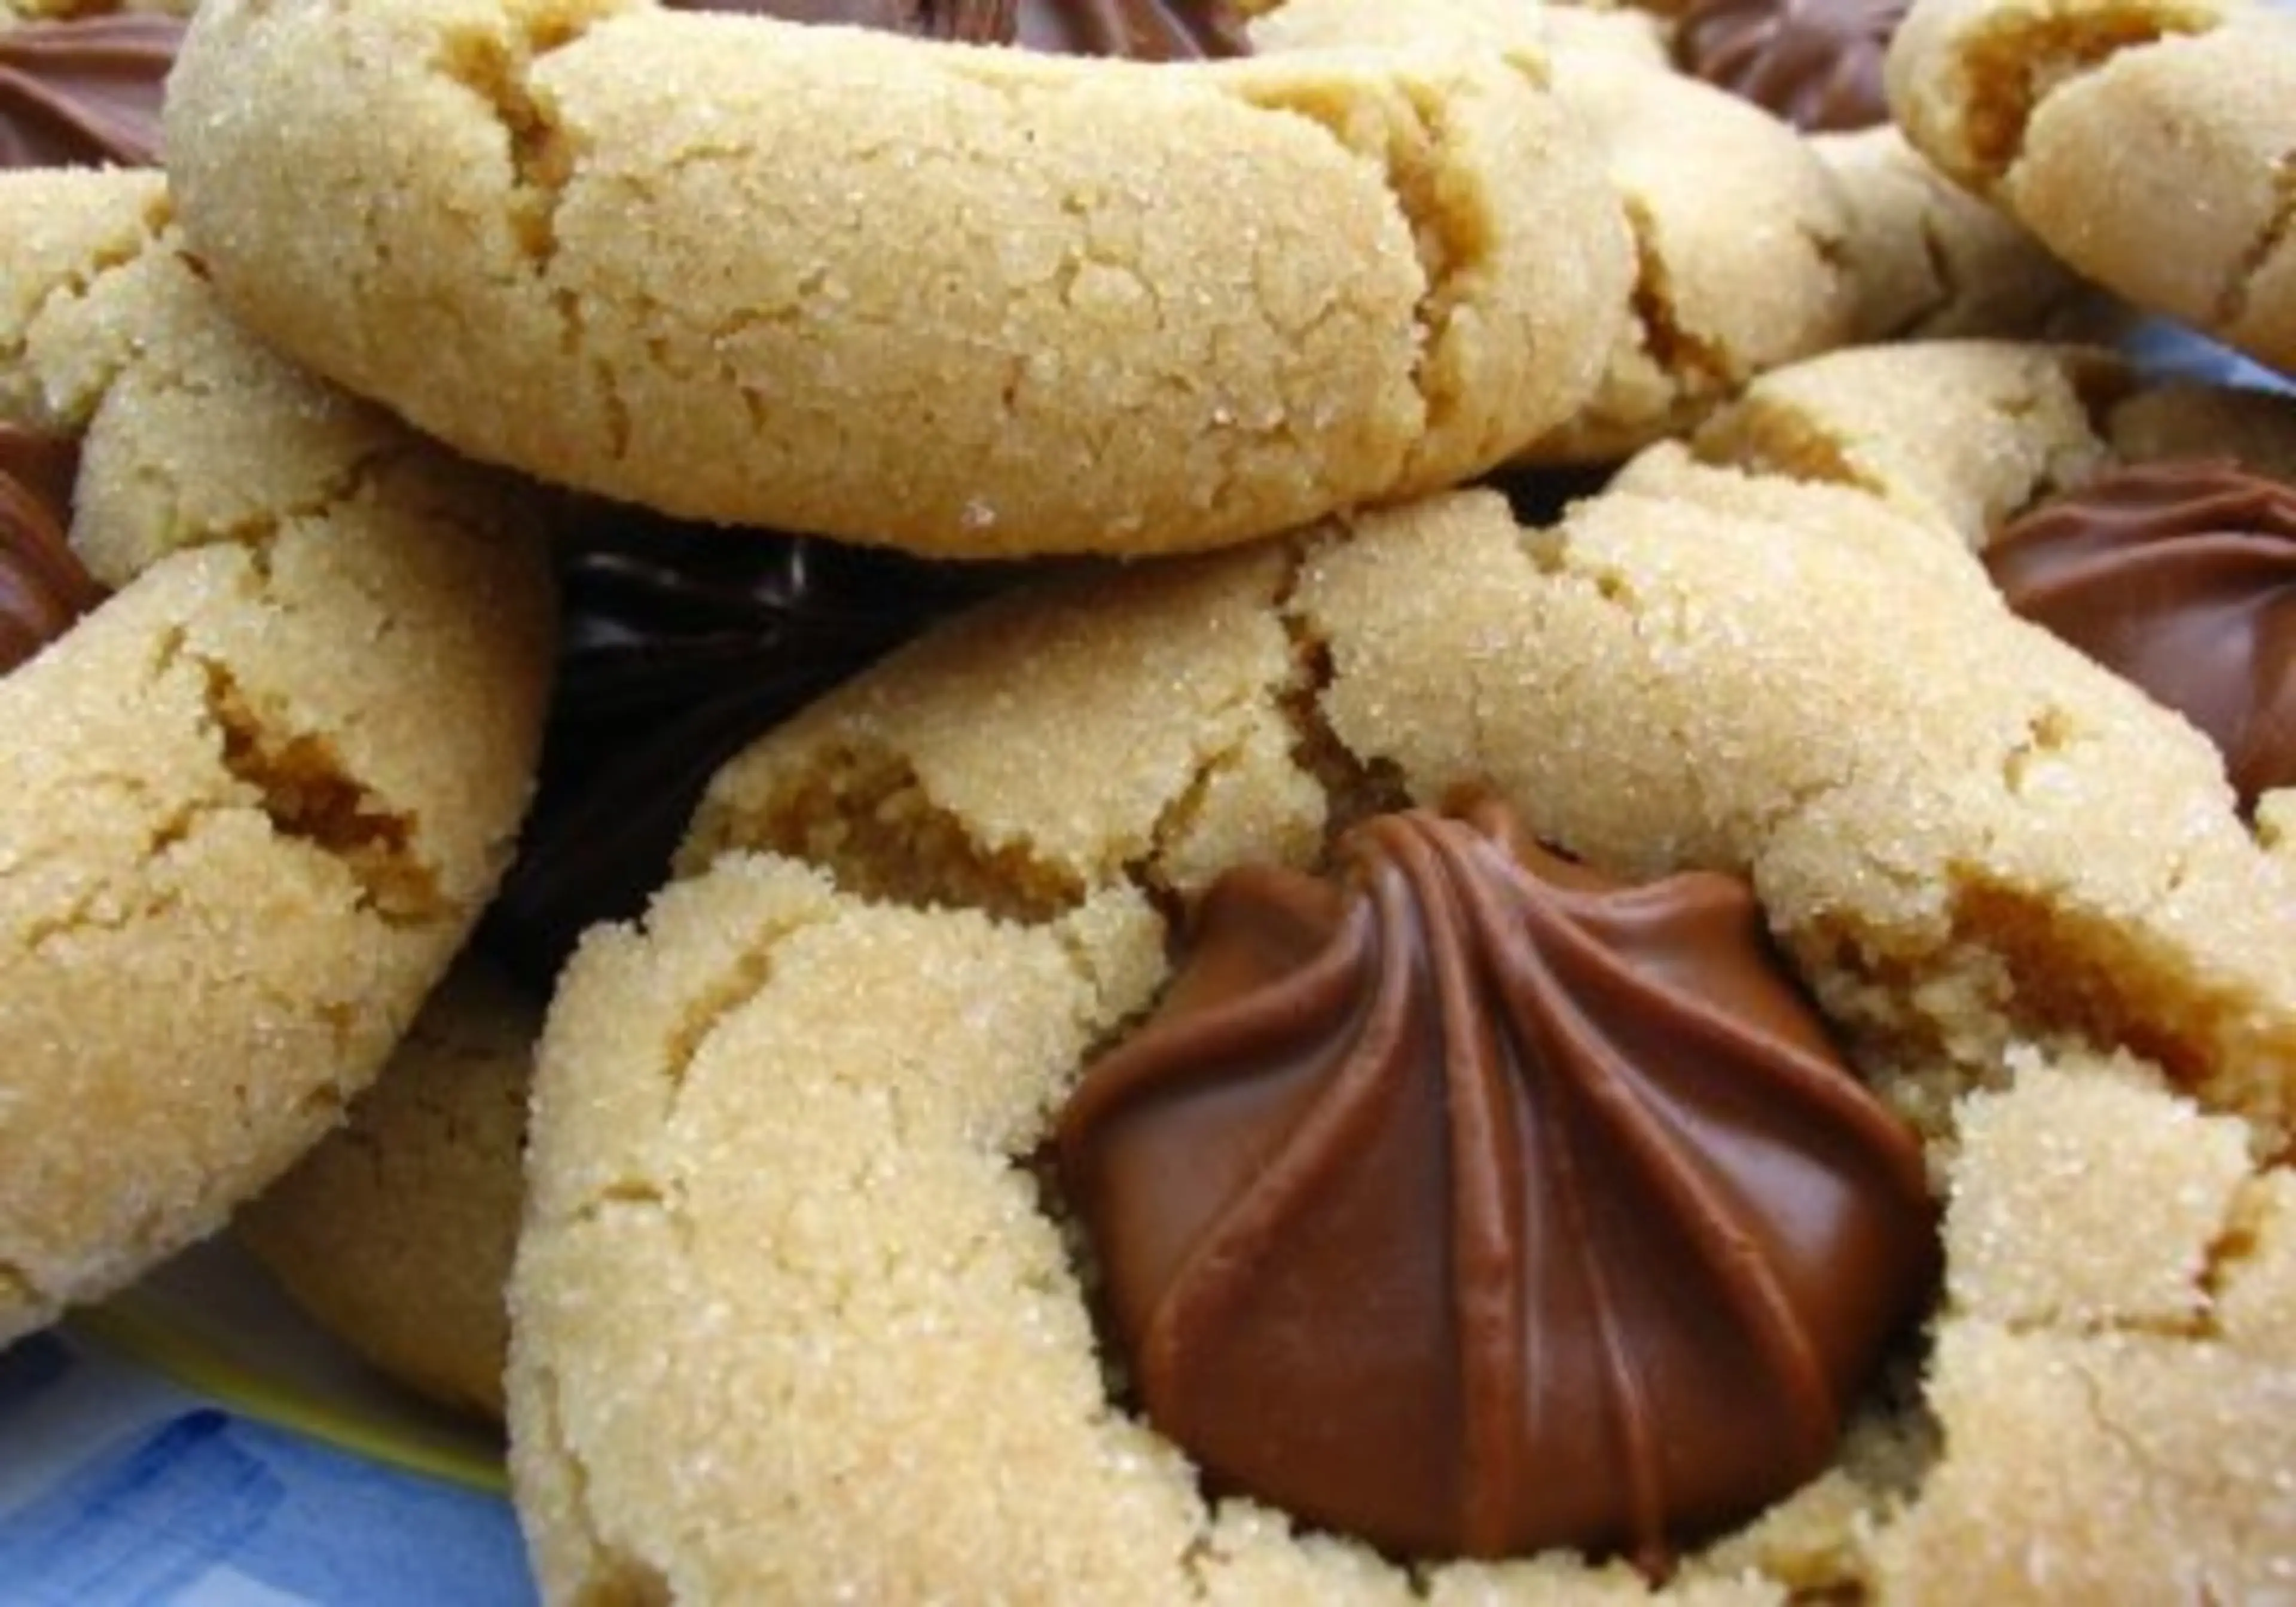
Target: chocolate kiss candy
1473, 1204
2180, 576
84, 93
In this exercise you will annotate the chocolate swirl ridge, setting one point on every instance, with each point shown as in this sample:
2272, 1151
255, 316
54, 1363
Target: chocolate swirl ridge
44, 587
1816, 63
84, 92
1142, 29
1476, 1205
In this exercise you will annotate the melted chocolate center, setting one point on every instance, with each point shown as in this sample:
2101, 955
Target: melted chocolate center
1472, 1203
2180, 576
84, 93
1816, 63
1186, 31
43, 585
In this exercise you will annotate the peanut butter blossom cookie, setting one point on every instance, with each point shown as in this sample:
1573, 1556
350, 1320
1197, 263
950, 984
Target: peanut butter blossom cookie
922, 291
277, 672
1511, 976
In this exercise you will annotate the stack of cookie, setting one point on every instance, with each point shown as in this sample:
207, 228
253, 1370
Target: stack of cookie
1445, 854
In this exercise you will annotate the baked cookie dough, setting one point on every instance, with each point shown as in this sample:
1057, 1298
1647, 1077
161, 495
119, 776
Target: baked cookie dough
396, 1233
798, 1316
959, 300
251, 802
2145, 142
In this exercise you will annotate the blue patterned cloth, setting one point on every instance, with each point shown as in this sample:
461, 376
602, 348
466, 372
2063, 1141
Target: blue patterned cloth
118, 1489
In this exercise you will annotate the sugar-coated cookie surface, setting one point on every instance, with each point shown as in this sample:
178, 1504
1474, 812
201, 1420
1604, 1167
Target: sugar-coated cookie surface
788, 1251
2146, 142
961, 299
251, 803
396, 1232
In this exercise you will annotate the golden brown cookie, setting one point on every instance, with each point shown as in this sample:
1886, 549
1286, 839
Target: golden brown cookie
396, 1233
966, 300
792, 1248
2145, 142
252, 800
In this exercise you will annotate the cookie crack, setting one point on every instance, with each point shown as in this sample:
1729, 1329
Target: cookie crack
300, 784
2082, 975
1354, 787
497, 68
864, 817
2019, 59
2097, 1406
1409, 136
2230, 1253
1693, 366
707, 1006
2232, 304
619, 1574
258, 529
1944, 276
1767, 437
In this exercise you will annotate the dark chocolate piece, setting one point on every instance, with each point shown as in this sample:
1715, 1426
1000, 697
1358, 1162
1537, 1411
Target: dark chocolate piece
1472, 1203
1143, 30
2180, 576
43, 586
681, 644
84, 93
1816, 63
